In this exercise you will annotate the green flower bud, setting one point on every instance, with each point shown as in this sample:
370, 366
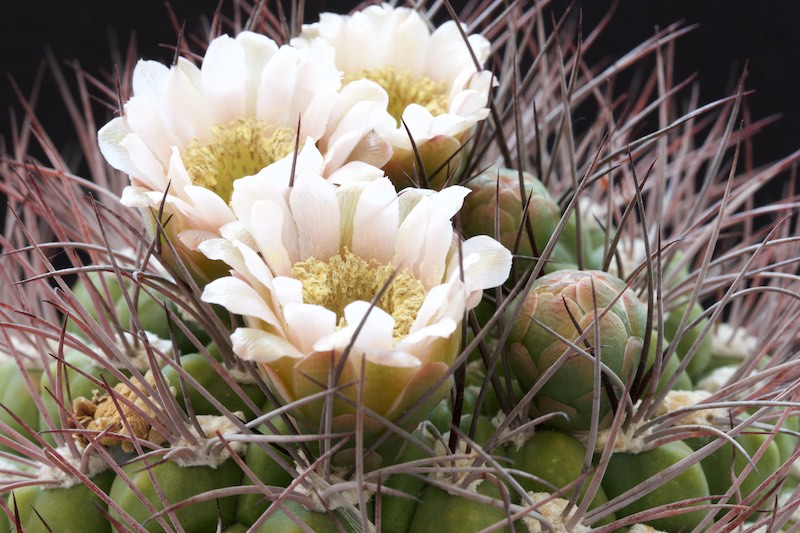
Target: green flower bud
497, 192
563, 304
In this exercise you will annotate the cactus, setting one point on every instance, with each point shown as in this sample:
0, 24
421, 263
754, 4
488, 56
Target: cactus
255, 324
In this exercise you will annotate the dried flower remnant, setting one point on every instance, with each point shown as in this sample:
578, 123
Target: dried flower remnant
116, 415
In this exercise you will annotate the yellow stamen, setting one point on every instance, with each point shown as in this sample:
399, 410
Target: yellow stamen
404, 89
346, 278
240, 148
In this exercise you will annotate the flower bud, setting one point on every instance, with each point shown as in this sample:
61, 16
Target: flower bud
563, 305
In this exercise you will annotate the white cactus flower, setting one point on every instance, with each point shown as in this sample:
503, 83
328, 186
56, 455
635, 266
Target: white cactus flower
188, 133
306, 261
435, 80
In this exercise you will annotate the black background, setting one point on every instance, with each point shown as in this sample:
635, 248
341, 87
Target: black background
730, 32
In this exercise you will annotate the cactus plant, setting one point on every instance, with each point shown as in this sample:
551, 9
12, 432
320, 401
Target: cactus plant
260, 323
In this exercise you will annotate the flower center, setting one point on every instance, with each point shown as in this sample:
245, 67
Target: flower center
404, 89
346, 278
240, 148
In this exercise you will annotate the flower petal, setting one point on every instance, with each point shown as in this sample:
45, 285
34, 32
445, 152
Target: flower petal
258, 345
308, 323
375, 221
315, 211
240, 298
487, 264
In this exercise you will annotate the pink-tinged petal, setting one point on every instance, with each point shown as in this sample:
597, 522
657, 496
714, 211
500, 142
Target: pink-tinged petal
413, 33
262, 347
145, 118
452, 54
287, 290
223, 72
439, 240
306, 324
266, 227
419, 123
378, 323
375, 333
277, 176
178, 177
258, 49
315, 211
255, 267
356, 127
440, 330
471, 98
409, 243
298, 84
135, 197
432, 309
239, 298
109, 139
193, 238
237, 231
187, 117
144, 112
148, 79
222, 250
278, 83
215, 210
356, 101
375, 221
425, 237
409, 198
486, 264
355, 171
251, 189
149, 171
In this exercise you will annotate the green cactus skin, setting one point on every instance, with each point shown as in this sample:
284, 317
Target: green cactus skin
236, 528
668, 369
533, 349
110, 292
66, 510
250, 507
727, 463
398, 511
153, 318
178, 483
556, 458
440, 512
787, 443
626, 470
280, 521
702, 356
197, 366
15, 396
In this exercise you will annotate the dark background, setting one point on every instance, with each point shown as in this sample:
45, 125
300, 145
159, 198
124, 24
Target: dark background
730, 32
